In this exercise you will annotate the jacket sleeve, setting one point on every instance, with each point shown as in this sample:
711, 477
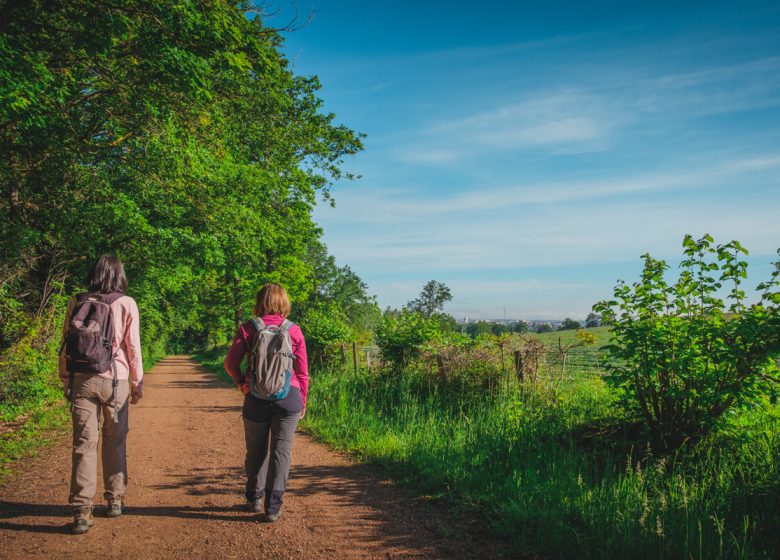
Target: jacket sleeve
132, 344
301, 366
236, 355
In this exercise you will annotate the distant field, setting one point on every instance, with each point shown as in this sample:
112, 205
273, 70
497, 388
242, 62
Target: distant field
551, 338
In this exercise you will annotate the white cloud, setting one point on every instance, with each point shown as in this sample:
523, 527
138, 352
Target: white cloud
557, 121
405, 205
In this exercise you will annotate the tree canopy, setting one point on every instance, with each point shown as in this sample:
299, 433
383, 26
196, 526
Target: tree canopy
431, 299
176, 136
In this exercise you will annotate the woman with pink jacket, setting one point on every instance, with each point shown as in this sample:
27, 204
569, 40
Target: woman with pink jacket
269, 425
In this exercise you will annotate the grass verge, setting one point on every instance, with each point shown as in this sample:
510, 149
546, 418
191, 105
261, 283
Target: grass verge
557, 472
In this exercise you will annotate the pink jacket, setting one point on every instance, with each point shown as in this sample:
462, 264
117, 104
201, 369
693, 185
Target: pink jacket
240, 346
126, 344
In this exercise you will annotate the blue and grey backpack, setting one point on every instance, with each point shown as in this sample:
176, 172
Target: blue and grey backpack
270, 360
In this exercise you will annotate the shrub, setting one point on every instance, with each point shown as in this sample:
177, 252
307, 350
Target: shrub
401, 336
326, 330
681, 357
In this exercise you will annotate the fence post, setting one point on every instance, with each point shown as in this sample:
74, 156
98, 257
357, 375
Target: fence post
343, 355
354, 356
368, 360
519, 365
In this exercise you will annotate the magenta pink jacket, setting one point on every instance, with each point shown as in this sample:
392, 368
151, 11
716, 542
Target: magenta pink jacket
240, 345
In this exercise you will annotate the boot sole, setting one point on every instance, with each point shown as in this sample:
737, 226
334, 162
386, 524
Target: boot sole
82, 530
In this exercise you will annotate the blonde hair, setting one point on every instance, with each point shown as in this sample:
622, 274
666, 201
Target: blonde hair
272, 300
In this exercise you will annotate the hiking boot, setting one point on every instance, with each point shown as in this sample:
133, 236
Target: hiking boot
255, 506
114, 508
82, 520
272, 517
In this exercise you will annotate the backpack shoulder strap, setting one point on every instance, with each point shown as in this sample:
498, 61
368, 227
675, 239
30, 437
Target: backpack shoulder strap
285, 326
257, 322
112, 297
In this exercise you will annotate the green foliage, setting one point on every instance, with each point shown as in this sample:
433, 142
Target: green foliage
519, 327
483, 327
401, 335
338, 292
553, 338
543, 328
36, 430
555, 472
176, 136
569, 324
592, 320
479, 328
431, 299
680, 357
326, 330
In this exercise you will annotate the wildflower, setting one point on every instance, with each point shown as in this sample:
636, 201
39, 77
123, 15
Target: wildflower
580, 482
645, 511
659, 527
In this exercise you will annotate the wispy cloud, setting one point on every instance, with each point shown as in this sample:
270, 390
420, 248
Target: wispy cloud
404, 205
567, 121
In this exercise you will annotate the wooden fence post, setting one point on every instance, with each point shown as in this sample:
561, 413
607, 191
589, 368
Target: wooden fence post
368, 360
343, 355
354, 356
519, 365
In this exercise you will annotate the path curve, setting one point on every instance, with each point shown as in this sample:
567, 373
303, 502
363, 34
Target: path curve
185, 451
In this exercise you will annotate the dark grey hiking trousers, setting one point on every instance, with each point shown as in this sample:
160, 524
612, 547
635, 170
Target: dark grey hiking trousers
269, 430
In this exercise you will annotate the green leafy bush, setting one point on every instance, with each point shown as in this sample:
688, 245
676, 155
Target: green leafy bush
680, 356
325, 330
401, 335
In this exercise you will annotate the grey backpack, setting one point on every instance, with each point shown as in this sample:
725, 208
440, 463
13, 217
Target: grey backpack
270, 360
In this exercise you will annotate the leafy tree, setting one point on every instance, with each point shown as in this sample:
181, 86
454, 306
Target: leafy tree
343, 290
569, 324
543, 328
479, 328
175, 135
519, 327
401, 336
592, 320
679, 354
431, 299
326, 330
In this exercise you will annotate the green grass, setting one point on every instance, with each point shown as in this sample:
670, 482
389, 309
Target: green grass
38, 430
568, 336
554, 473
212, 360
33, 411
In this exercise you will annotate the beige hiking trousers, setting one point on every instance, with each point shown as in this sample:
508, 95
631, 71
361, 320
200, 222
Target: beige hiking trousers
91, 400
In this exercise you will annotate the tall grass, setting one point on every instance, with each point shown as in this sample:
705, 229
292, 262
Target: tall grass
557, 471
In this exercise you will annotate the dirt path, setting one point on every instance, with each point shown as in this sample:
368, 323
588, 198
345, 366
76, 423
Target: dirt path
185, 451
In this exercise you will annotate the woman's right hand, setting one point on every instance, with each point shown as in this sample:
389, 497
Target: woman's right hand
244, 388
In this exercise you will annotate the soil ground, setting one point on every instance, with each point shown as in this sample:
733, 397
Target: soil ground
185, 494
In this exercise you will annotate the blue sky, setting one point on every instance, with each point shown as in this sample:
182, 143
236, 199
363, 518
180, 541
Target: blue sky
528, 154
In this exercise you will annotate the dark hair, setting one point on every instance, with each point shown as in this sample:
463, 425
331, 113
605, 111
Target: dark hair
107, 276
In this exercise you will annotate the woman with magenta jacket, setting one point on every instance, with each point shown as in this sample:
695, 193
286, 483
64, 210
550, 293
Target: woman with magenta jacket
269, 425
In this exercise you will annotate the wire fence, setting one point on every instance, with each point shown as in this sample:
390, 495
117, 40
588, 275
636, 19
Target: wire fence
529, 363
